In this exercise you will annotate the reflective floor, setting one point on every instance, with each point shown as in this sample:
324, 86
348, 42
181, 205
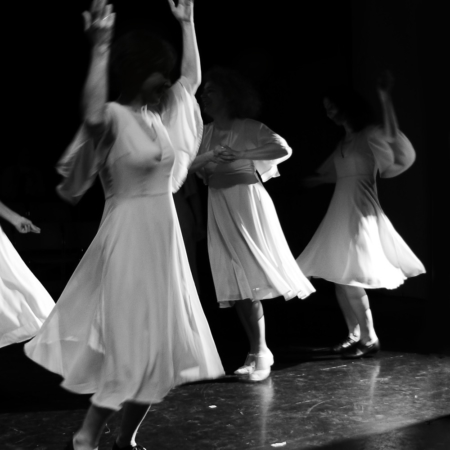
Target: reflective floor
397, 400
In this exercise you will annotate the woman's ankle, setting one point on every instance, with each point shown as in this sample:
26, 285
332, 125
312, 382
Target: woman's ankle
355, 336
81, 441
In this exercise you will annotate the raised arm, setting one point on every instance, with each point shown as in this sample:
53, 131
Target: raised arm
404, 155
390, 125
98, 25
190, 63
21, 224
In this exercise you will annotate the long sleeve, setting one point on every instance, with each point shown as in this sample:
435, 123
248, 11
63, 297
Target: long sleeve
264, 135
388, 153
83, 159
182, 120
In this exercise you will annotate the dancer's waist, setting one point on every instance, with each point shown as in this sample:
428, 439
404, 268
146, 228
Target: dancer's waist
131, 195
222, 181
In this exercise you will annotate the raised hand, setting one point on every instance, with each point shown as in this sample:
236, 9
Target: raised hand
385, 83
24, 225
99, 23
184, 11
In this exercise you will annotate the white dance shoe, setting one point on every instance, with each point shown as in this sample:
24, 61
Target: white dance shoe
262, 367
249, 365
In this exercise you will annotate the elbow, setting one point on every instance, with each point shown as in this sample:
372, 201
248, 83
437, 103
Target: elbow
284, 152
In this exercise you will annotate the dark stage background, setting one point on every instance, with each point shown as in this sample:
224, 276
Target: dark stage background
292, 51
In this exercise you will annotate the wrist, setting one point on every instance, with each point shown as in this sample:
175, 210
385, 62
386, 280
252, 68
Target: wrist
384, 95
101, 49
188, 23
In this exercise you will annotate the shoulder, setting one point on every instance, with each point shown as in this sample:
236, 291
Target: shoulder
252, 124
372, 133
180, 88
114, 111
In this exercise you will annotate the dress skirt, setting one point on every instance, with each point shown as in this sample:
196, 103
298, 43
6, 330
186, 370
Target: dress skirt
24, 302
249, 255
356, 244
129, 325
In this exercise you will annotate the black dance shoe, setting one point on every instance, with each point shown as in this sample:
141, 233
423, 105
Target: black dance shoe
360, 350
128, 447
346, 344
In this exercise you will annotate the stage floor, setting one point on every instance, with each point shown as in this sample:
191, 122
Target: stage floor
394, 400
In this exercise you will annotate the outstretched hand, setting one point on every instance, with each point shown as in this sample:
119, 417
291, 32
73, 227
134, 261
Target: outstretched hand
99, 22
184, 11
23, 225
385, 82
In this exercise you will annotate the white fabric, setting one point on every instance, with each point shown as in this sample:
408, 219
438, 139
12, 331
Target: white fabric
129, 325
245, 134
180, 123
24, 302
356, 243
249, 255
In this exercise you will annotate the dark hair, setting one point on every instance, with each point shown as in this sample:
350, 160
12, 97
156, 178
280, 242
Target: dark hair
351, 105
242, 98
135, 56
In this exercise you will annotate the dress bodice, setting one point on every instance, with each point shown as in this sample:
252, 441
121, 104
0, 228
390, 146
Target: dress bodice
370, 151
141, 159
139, 153
355, 158
245, 134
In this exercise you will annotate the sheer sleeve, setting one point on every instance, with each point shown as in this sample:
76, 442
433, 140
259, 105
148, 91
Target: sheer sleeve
259, 135
83, 159
182, 120
388, 154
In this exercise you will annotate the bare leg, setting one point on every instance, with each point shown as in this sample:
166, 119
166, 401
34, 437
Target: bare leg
359, 302
88, 437
133, 415
350, 318
252, 316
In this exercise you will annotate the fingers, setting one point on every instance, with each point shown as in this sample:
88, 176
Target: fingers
87, 18
172, 4
101, 16
35, 229
97, 7
110, 16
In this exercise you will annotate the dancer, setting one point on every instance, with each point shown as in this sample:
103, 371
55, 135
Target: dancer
249, 256
129, 325
24, 302
356, 246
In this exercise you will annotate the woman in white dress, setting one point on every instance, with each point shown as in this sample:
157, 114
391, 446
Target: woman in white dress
250, 258
24, 302
129, 325
356, 246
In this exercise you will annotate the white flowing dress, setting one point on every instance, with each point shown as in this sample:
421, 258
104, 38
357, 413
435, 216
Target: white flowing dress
129, 325
24, 302
355, 243
249, 255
